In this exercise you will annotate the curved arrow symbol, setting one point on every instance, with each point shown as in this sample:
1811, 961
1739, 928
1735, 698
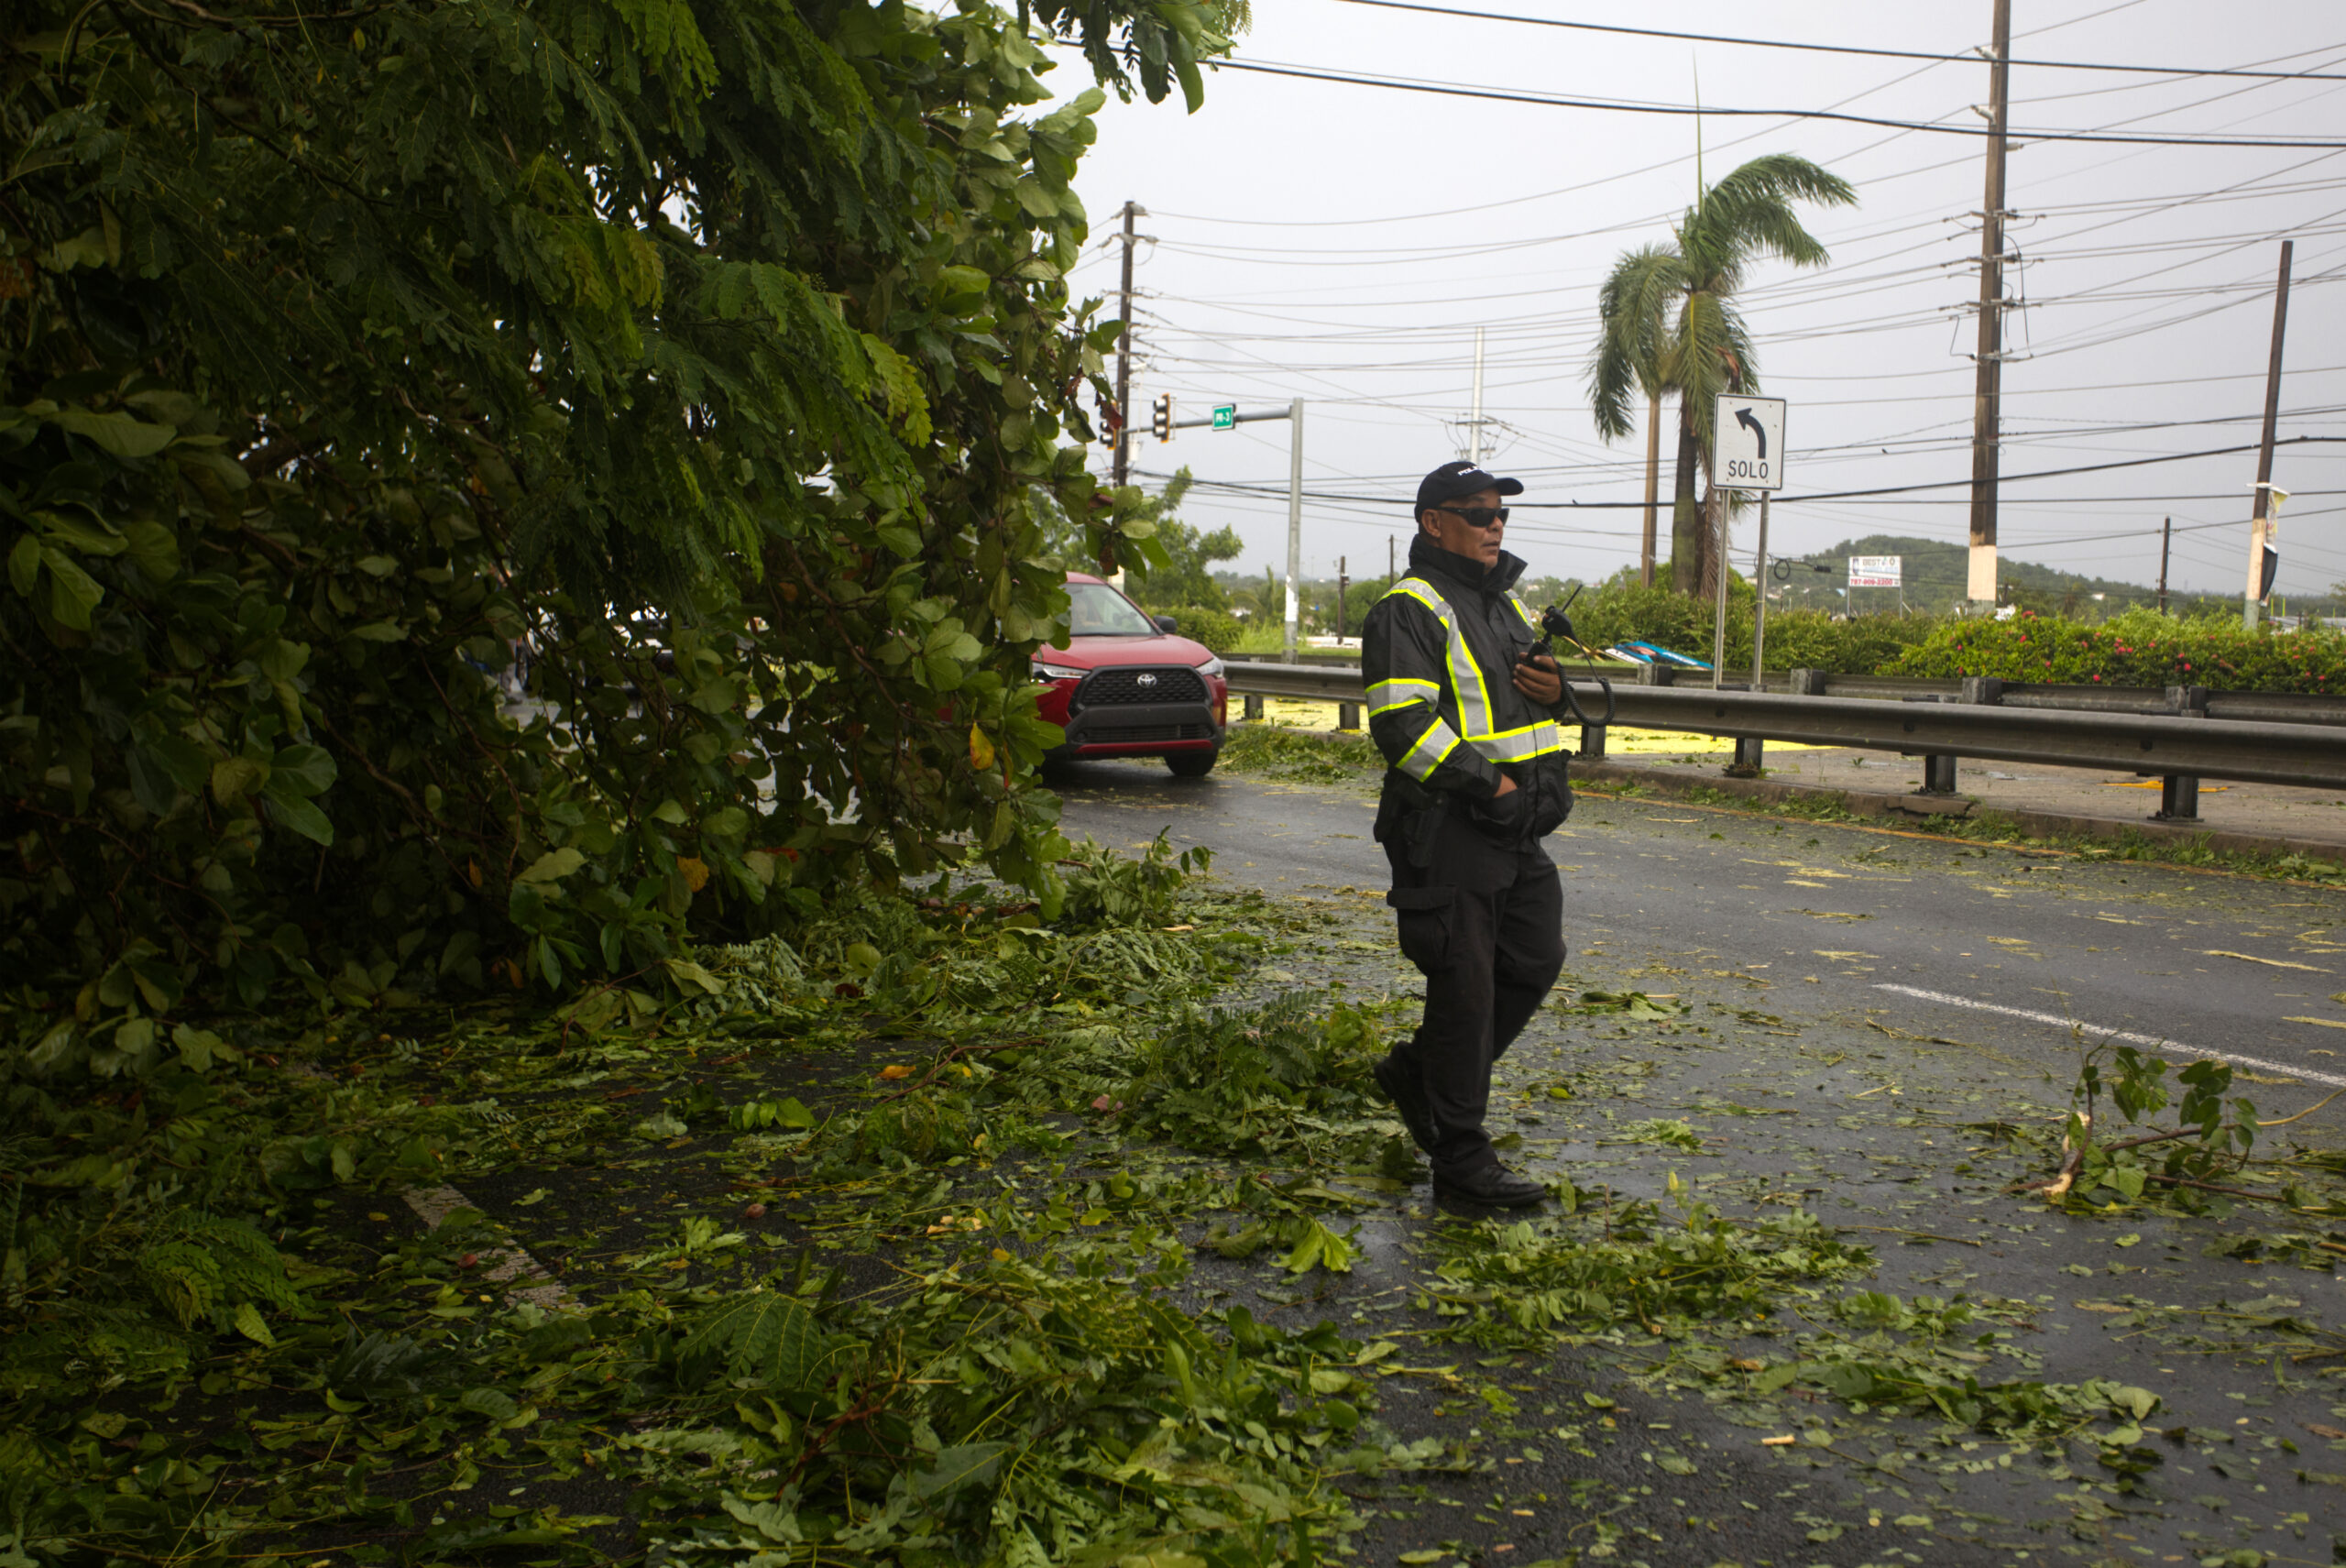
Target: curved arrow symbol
1759, 432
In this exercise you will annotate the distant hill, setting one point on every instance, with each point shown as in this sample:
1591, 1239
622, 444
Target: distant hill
1937, 576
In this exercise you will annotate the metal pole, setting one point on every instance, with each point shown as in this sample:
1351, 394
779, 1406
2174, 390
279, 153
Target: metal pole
2166, 543
1718, 621
1987, 396
1294, 518
1760, 602
2259, 525
1344, 586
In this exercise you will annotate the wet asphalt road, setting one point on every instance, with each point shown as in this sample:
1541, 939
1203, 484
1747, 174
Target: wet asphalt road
1813, 1084
2213, 963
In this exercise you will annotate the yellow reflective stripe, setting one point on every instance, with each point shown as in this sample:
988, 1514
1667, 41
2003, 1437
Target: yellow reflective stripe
1386, 695
1467, 681
1438, 741
1520, 745
1405, 702
1524, 611
1423, 592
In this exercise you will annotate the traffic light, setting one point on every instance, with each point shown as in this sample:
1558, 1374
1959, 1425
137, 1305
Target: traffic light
1164, 425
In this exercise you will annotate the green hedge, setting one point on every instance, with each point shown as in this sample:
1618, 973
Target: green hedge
2139, 647
1799, 639
1217, 628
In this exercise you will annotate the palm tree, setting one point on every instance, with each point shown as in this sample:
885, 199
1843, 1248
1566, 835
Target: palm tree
1671, 324
1634, 309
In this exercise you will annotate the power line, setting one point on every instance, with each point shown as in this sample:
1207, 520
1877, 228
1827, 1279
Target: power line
1846, 49
1459, 90
1245, 487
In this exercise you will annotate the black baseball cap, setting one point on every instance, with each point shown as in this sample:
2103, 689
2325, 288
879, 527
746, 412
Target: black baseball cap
1452, 480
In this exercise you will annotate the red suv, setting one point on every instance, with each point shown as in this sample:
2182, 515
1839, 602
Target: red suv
1124, 685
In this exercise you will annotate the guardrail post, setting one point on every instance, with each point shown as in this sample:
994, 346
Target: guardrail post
1592, 742
1807, 683
1253, 705
1982, 691
1938, 774
2180, 793
1656, 674
1747, 758
1348, 716
2179, 798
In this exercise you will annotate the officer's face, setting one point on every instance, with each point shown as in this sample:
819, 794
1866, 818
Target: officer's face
1458, 536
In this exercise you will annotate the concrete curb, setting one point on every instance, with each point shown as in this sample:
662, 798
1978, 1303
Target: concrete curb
1916, 807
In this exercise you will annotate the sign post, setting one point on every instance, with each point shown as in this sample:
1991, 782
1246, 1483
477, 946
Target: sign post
1226, 416
1746, 453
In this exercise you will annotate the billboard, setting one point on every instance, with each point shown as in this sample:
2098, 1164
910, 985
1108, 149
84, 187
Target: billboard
1876, 571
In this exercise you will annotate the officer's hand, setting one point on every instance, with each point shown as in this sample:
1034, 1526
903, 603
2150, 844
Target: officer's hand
1507, 786
1539, 679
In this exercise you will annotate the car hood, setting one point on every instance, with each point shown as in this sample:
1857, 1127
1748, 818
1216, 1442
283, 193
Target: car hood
1103, 652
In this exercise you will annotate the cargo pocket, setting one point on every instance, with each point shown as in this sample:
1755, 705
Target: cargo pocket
1424, 915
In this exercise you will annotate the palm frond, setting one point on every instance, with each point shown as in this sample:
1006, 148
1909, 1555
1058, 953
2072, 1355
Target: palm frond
1633, 309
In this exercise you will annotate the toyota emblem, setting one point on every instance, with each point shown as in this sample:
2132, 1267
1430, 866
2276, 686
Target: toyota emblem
1147, 680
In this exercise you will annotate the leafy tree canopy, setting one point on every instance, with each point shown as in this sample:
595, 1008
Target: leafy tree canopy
708, 356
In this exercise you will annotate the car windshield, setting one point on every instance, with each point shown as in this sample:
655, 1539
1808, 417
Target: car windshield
1095, 609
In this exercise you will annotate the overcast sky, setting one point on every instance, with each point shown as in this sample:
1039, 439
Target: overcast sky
1342, 244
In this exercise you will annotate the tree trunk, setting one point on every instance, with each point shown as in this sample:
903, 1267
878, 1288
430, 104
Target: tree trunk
1686, 517
1653, 485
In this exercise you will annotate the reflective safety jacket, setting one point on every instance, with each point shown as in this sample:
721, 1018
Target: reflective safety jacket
1438, 653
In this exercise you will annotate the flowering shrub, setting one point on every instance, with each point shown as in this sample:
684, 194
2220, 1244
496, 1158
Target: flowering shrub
2139, 647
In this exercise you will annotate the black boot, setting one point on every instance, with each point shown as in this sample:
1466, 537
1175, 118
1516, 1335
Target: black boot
1408, 1099
1493, 1187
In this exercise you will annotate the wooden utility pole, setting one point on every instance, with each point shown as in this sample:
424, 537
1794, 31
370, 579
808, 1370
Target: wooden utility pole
2260, 527
1653, 488
1118, 463
1987, 396
2166, 545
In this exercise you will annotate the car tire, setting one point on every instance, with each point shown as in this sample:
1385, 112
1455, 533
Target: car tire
1191, 764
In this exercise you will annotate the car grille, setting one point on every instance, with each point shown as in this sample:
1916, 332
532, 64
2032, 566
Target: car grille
1104, 735
1110, 686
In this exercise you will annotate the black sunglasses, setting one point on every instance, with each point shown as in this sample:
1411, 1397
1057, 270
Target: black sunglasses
1476, 516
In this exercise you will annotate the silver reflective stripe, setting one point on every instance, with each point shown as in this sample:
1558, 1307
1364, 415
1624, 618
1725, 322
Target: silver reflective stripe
1474, 695
1520, 745
1386, 696
1419, 761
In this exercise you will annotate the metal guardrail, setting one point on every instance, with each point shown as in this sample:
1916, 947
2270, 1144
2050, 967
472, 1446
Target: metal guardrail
2190, 733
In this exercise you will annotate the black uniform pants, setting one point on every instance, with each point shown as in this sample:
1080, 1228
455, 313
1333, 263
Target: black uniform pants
1483, 922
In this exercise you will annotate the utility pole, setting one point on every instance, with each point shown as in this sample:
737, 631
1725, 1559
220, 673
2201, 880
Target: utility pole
1475, 453
1294, 518
2166, 543
1987, 396
1653, 485
1389, 578
2260, 528
1760, 602
1344, 586
1119, 462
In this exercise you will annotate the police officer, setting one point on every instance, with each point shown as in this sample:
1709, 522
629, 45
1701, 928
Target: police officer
1468, 716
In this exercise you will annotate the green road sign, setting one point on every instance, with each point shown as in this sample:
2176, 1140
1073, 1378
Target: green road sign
1226, 416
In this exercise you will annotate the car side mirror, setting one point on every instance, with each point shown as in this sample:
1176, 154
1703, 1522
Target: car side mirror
1165, 623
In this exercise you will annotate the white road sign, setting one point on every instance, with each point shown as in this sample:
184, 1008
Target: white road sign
1748, 443
1876, 571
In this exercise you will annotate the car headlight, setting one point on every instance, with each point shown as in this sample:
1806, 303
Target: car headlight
1057, 672
1211, 667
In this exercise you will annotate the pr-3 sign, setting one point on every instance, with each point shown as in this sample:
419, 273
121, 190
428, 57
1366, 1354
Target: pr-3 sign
1748, 442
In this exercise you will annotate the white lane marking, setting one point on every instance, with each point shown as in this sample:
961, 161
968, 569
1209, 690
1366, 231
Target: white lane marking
434, 1204
2163, 1048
